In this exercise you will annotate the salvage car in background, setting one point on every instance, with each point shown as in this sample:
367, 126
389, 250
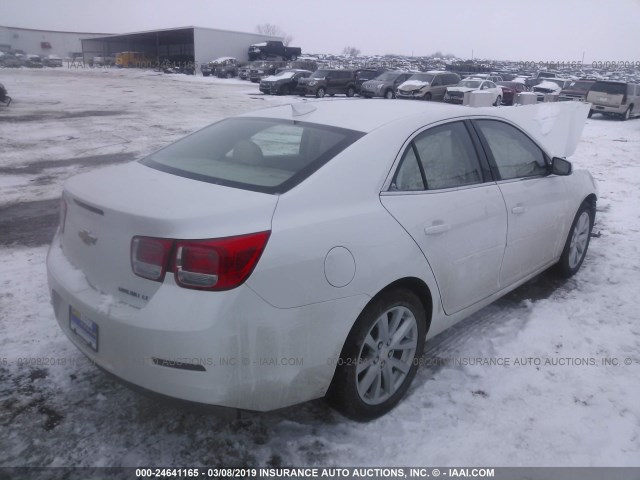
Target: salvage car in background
550, 88
619, 99
223, 67
364, 74
471, 84
510, 90
427, 85
261, 69
52, 61
576, 91
284, 82
310, 249
384, 85
8, 60
328, 82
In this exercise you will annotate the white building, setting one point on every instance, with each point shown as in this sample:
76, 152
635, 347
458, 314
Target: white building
43, 42
200, 44
193, 43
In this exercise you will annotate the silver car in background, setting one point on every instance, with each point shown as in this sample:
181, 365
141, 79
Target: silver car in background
384, 85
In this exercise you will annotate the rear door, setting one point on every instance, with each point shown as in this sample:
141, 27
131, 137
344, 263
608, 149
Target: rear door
442, 196
536, 202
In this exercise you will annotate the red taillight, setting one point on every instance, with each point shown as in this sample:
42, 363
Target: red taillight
150, 256
63, 213
217, 264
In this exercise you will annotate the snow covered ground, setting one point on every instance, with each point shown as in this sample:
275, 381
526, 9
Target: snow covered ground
555, 404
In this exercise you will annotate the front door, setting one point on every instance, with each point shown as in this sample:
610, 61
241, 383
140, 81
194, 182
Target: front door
536, 202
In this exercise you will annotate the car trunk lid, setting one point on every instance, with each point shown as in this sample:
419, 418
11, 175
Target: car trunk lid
108, 207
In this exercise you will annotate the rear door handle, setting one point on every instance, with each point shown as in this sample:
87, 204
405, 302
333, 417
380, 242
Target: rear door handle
437, 229
518, 210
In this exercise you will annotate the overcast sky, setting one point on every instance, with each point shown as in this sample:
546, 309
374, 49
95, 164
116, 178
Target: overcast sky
540, 30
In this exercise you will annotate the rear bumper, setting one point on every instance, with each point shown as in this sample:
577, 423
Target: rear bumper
229, 349
306, 89
270, 89
609, 109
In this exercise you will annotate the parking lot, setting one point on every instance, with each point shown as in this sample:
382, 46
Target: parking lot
561, 390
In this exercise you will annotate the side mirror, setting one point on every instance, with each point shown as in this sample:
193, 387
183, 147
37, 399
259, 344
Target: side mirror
560, 166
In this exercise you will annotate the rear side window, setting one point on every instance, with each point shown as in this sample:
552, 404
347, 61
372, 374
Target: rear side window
610, 88
514, 154
452, 79
265, 155
441, 157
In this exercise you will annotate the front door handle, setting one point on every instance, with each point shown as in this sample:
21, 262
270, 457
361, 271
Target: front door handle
437, 229
518, 210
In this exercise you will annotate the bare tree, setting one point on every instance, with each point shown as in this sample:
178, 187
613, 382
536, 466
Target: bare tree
274, 31
353, 51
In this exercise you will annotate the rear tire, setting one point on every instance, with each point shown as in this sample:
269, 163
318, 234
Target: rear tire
350, 92
627, 114
575, 248
590, 114
376, 367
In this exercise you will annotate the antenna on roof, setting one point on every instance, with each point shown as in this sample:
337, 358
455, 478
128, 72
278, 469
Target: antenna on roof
298, 109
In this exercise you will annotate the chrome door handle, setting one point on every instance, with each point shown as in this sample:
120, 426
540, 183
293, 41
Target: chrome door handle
437, 229
518, 210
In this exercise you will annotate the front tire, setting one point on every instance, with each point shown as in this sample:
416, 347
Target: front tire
350, 92
388, 94
284, 90
627, 114
575, 248
380, 356
590, 114
320, 92
498, 101
427, 97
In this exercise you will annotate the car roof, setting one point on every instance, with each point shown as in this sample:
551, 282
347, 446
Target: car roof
365, 116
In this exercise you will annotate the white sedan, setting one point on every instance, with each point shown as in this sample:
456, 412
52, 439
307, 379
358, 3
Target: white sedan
456, 94
308, 250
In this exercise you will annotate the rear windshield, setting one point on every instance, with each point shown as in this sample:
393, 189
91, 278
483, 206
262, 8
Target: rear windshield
388, 76
610, 87
320, 73
422, 77
470, 83
578, 85
368, 74
264, 155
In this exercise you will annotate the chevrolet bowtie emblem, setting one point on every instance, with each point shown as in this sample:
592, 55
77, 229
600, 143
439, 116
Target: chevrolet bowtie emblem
87, 238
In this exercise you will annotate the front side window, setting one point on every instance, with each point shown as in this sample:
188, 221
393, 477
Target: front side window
445, 158
514, 154
260, 154
320, 73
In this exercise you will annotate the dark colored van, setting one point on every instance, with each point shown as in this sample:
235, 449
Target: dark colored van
328, 82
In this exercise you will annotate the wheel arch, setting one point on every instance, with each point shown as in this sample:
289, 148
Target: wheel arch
416, 286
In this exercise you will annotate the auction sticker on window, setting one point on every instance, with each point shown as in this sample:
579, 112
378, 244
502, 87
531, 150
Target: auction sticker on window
84, 328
